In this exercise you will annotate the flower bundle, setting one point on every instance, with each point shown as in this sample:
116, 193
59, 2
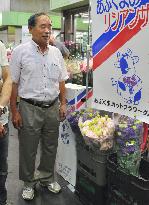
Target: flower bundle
73, 65
97, 130
83, 65
73, 117
128, 141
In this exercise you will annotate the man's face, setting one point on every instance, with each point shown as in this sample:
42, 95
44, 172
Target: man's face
41, 31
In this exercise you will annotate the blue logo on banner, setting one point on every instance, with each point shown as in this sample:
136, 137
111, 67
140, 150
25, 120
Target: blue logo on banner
129, 85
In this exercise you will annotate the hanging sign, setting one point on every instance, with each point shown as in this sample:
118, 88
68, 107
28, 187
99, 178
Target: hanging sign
120, 34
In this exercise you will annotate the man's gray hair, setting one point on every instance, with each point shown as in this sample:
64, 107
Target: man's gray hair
32, 19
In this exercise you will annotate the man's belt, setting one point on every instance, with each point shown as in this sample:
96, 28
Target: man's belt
41, 104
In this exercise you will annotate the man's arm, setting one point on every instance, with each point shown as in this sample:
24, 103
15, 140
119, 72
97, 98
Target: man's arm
15, 68
62, 93
5, 93
6, 87
13, 99
16, 117
65, 52
62, 97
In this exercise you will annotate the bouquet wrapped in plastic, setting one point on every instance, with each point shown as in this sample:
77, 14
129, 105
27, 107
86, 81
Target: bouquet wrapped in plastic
128, 140
73, 117
97, 130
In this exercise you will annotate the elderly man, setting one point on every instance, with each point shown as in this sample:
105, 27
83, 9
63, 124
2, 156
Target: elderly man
38, 75
5, 93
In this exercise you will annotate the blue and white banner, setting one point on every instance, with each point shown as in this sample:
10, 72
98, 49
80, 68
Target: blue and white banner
120, 31
66, 162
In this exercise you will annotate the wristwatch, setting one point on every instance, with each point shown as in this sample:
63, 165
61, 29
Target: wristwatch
3, 109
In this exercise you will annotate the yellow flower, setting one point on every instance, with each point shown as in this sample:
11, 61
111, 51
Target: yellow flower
119, 133
134, 127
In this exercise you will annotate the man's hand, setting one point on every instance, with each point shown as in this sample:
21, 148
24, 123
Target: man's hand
2, 130
17, 120
62, 112
1, 111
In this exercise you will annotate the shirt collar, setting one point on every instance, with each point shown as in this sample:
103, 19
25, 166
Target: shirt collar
38, 48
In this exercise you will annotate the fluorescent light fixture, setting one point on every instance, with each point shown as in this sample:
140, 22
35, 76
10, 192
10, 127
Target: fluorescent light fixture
85, 21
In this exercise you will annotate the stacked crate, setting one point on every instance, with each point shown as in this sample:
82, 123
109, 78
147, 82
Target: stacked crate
134, 190
91, 175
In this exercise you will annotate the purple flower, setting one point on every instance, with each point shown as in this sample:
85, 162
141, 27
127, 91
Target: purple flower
128, 137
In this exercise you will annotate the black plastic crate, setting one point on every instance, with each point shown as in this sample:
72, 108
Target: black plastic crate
115, 197
92, 164
89, 192
136, 187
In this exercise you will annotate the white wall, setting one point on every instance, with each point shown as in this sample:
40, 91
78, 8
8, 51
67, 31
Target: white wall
30, 5
4, 5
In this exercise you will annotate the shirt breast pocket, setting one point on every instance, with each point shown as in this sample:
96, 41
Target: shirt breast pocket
54, 72
32, 69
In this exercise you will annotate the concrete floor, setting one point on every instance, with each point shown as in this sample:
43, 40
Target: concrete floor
42, 195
